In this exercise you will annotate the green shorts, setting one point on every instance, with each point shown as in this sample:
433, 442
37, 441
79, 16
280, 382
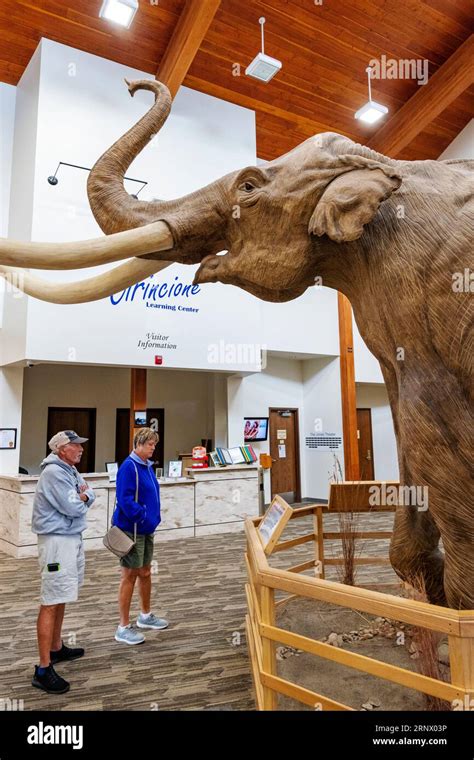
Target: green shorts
141, 554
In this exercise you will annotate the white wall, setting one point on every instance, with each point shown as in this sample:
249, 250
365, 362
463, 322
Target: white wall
11, 378
11, 389
462, 146
307, 325
280, 384
385, 447
312, 387
21, 203
219, 410
185, 397
322, 413
7, 120
366, 366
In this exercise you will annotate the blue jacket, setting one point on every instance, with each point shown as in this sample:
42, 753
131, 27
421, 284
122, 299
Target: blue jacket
145, 512
57, 506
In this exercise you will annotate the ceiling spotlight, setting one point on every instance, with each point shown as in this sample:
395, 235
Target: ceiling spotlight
371, 111
263, 67
119, 11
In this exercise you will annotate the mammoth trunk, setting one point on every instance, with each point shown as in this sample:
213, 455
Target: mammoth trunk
195, 221
113, 208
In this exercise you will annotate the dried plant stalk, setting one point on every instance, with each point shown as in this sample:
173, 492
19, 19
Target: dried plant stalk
348, 525
426, 643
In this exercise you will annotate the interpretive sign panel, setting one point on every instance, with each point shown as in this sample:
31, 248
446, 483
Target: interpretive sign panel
273, 522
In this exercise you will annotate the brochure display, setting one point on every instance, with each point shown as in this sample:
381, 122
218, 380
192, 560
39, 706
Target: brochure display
236, 455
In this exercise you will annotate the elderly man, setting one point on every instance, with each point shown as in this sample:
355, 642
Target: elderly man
60, 507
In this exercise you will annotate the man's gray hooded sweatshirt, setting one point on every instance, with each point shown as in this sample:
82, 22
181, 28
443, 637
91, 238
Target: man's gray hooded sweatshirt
57, 506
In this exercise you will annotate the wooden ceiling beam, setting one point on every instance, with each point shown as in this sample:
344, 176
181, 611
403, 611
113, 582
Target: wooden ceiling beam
189, 32
450, 81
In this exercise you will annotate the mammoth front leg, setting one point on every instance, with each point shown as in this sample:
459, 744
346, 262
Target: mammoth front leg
415, 553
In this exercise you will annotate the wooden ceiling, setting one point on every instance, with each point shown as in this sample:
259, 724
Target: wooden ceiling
324, 49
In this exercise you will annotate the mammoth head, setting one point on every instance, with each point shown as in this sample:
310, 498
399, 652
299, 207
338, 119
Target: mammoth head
270, 219
281, 208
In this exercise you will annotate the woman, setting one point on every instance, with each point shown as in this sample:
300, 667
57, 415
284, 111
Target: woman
138, 504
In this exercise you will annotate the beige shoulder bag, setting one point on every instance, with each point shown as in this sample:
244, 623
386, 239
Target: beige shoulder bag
116, 540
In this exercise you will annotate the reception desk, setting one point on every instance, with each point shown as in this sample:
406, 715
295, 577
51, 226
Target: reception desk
215, 500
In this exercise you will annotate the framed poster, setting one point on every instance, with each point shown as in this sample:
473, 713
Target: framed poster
8, 438
273, 522
175, 468
140, 418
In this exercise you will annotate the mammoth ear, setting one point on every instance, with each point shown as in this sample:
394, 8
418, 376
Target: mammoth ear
350, 201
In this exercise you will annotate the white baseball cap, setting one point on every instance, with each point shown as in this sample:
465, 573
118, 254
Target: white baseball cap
63, 438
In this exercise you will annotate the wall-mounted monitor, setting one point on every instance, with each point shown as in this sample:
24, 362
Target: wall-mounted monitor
255, 429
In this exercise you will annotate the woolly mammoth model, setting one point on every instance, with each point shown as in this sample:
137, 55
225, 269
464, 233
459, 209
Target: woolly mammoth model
396, 237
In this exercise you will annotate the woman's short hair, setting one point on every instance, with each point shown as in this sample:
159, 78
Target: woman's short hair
143, 436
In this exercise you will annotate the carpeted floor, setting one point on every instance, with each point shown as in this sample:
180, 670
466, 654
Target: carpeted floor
199, 663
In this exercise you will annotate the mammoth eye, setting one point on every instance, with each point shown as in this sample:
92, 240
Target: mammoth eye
247, 186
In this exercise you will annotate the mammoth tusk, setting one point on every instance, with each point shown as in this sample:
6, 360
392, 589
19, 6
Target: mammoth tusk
152, 237
91, 289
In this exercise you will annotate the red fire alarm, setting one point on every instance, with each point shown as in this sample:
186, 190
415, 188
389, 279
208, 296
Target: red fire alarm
158, 360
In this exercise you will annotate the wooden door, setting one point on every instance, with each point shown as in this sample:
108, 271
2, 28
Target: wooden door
82, 421
155, 418
366, 449
284, 451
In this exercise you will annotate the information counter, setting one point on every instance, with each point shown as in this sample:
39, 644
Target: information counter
215, 500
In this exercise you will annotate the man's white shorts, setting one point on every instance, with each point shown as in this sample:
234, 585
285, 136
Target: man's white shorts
61, 560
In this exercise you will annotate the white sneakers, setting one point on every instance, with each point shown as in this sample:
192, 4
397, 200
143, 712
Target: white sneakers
128, 635
125, 634
151, 621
